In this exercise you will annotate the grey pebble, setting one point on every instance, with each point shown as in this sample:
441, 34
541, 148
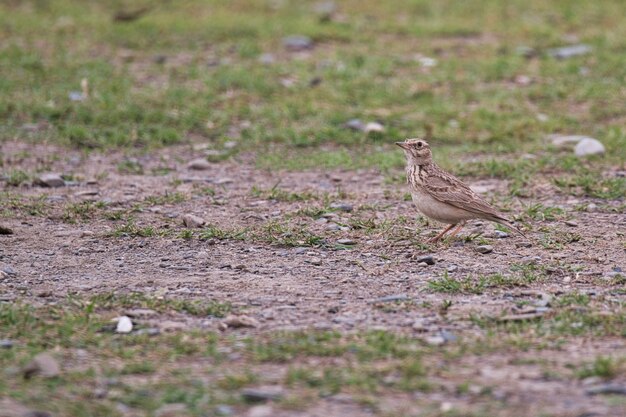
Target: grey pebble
6, 343
347, 242
9, 271
297, 43
484, 249
50, 180
500, 234
224, 410
342, 206
314, 261
427, 259
262, 394
569, 51
606, 389
199, 164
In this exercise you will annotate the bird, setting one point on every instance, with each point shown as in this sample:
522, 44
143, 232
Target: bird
440, 195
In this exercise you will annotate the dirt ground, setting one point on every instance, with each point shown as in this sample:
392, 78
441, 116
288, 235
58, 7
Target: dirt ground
318, 287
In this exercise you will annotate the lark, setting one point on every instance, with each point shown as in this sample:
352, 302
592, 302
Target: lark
441, 196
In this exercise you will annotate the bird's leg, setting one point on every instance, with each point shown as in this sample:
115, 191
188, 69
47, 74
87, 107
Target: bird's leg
457, 230
440, 235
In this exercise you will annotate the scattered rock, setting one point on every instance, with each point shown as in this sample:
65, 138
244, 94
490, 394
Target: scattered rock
240, 321
192, 221
50, 180
448, 336
452, 268
569, 51
199, 164
172, 326
43, 365
171, 410
374, 127
347, 242
267, 59
610, 388
355, 124
150, 331
76, 96
6, 344
427, 259
124, 325
390, 298
7, 271
437, 340
425, 61
262, 394
5, 231
314, 261
224, 410
571, 223
500, 234
342, 207
589, 146
484, 249
297, 43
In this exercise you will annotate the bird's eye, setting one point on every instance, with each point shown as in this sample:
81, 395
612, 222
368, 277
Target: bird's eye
419, 144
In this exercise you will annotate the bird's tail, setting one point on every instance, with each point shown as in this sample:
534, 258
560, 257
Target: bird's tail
509, 224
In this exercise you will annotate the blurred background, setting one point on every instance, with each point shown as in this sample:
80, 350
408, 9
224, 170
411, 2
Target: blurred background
305, 84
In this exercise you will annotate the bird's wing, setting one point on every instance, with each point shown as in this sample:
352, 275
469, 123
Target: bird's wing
449, 189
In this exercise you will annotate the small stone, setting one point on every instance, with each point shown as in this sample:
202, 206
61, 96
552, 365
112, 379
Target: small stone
76, 96
224, 410
300, 250
589, 146
141, 313
8, 271
523, 80
261, 411
452, 268
297, 43
571, 223
199, 164
267, 59
262, 394
374, 127
355, 124
342, 207
192, 221
611, 388
5, 231
484, 249
565, 140
150, 331
171, 410
500, 234
448, 336
435, 340
569, 51
314, 261
347, 242
427, 259
240, 321
6, 344
50, 180
43, 365
124, 325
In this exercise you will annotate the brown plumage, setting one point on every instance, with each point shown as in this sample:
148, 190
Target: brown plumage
440, 195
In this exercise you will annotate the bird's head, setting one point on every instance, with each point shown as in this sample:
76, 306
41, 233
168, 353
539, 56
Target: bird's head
417, 151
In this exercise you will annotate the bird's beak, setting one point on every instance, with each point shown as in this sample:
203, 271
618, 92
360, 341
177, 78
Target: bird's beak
403, 145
